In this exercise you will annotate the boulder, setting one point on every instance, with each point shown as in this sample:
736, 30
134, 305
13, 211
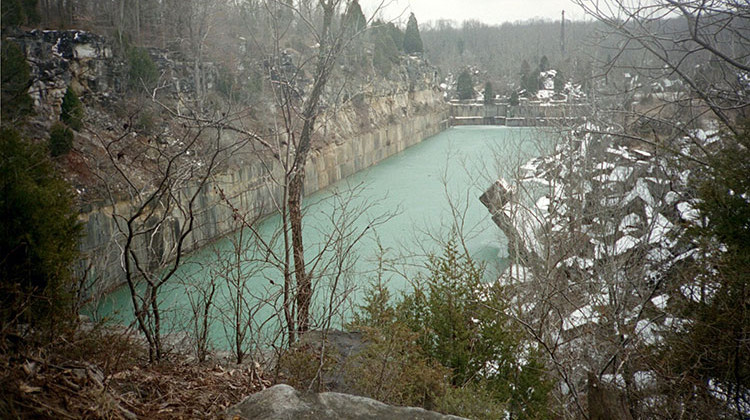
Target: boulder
282, 402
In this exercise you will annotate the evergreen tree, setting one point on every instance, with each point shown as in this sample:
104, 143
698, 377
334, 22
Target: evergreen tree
142, 72
60, 139
513, 101
412, 40
715, 345
16, 79
462, 325
397, 35
525, 75
71, 111
19, 12
489, 95
354, 18
385, 52
544, 63
531, 83
559, 82
38, 235
465, 86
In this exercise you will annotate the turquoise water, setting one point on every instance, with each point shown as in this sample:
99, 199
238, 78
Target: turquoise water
378, 224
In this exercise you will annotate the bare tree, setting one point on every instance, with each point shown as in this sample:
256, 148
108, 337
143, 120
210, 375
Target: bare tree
299, 111
591, 233
691, 60
161, 183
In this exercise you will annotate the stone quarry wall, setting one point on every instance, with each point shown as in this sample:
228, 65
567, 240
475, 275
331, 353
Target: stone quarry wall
389, 116
396, 122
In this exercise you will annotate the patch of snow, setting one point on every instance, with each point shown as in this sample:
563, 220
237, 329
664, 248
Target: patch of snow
530, 167
671, 197
621, 151
688, 212
527, 307
660, 301
677, 324
699, 292
685, 255
644, 379
84, 51
685, 175
625, 244
647, 331
660, 229
620, 174
564, 390
659, 255
725, 394
518, 273
579, 317
630, 223
543, 204
582, 263
641, 191
545, 93
617, 380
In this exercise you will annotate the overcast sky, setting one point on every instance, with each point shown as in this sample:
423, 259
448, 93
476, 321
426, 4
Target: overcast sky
487, 11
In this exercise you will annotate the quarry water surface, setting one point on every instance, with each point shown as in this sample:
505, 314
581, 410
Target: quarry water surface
399, 210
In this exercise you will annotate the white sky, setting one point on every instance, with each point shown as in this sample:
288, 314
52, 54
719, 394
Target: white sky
486, 11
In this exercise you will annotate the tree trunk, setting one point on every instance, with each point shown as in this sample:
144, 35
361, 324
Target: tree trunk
296, 184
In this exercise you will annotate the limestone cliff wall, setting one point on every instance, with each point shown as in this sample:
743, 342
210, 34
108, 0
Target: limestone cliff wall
350, 143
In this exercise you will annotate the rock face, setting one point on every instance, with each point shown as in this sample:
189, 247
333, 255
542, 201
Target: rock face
282, 402
380, 121
252, 188
58, 59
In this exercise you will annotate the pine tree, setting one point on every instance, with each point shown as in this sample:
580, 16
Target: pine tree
544, 63
412, 40
143, 72
525, 72
489, 95
715, 345
396, 34
513, 101
38, 236
559, 82
19, 12
385, 52
71, 111
465, 86
60, 139
16, 102
354, 18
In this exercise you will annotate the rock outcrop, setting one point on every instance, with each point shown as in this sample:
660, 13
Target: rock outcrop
58, 59
282, 402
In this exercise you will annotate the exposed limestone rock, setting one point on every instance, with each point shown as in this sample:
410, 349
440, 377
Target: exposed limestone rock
60, 58
282, 402
342, 346
387, 117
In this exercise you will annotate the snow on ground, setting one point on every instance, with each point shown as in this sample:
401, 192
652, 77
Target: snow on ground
579, 317
688, 212
660, 301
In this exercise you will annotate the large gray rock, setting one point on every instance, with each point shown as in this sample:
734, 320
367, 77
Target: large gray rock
282, 402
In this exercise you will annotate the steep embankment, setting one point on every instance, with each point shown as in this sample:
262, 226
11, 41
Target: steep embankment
381, 119
399, 121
